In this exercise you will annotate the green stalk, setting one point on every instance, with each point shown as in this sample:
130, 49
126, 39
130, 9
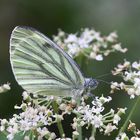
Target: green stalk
80, 133
80, 61
59, 124
79, 127
93, 133
123, 128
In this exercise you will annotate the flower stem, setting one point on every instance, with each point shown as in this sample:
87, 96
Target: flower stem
81, 61
93, 132
123, 128
79, 127
59, 124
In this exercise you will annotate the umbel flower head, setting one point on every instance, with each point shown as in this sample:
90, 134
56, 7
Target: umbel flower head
131, 77
90, 43
35, 118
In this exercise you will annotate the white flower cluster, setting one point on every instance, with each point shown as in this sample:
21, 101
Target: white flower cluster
92, 115
89, 43
131, 76
35, 117
29, 120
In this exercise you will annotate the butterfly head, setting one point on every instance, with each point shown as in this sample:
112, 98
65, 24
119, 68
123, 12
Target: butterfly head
90, 83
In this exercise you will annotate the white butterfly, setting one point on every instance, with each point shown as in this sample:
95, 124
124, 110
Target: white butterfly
43, 68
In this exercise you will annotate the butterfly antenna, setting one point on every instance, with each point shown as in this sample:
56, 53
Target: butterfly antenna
103, 75
103, 81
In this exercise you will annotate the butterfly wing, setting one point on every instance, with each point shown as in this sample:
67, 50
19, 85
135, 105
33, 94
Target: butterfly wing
41, 67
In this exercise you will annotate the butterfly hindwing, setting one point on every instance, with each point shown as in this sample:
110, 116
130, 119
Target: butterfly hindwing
41, 67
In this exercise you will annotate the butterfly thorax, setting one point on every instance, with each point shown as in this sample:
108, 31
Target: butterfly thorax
90, 84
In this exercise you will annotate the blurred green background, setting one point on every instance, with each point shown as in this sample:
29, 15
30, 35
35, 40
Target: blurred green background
47, 16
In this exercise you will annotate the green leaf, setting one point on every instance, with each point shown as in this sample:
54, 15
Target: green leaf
21, 135
3, 136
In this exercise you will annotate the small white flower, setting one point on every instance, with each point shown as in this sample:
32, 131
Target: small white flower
98, 37
75, 133
61, 33
137, 92
63, 139
62, 106
87, 35
5, 88
72, 38
73, 49
136, 65
114, 85
128, 76
92, 55
58, 117
82, 43
99, 57
25, 95
112, 37
53, 135
109, 129
26, 138
3, 121
96, 48
74, 125
122, 136
116, 119
82, 123
107, 52
97, 110
135, 138
105, 99
119, 48
137, 82
122, 110
91, 138
88, 116
97, 121
131, 92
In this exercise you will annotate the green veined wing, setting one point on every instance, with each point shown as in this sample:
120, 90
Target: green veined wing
41, 67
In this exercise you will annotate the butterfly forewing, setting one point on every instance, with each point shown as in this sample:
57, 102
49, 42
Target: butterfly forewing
41, 67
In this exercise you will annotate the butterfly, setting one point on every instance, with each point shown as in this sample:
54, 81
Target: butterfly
41, 67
